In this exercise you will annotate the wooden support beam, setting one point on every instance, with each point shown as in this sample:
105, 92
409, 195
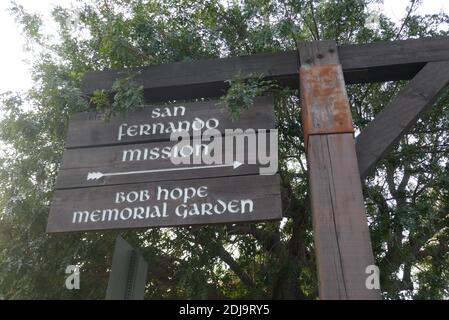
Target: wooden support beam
396, 119
380, 61
392, 60
342, 240
128, 274
201, 78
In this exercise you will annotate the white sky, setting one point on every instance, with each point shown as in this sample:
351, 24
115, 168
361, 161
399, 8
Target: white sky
15, 71
14, 68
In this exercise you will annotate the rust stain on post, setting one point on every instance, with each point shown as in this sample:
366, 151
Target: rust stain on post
324, 102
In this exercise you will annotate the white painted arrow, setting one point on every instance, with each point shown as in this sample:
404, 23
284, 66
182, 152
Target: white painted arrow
98, 175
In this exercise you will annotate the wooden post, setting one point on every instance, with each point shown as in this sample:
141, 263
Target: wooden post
342, 241
128, 275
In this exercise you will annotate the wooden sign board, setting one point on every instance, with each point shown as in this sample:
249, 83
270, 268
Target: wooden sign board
116, 176
164, 204
156, 123
145, 162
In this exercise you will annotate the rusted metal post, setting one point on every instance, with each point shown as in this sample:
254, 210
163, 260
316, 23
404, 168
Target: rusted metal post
342, 241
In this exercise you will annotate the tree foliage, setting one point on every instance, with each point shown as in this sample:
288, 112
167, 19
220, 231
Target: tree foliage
407, 197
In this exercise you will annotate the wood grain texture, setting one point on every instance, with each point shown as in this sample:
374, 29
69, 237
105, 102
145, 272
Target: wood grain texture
128, 275
342, 240
322, 89
88, 129
361, 63
78, 163
396, 119
202, 78
311, 54
326, 106
264, 191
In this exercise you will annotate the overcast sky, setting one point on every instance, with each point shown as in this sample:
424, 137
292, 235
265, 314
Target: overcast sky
15, 70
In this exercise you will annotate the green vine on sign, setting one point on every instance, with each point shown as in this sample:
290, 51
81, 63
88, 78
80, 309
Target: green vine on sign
242, 91
127, 95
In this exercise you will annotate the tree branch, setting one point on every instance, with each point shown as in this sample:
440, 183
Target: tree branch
312, 12
224, 255
236, 268
270, 240
405, 19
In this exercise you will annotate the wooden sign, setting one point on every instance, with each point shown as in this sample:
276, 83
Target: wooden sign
119, 174
146, 162
156, 123
163, 204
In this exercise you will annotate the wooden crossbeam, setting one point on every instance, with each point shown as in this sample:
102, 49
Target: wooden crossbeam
342, 240
390, 125
380, 61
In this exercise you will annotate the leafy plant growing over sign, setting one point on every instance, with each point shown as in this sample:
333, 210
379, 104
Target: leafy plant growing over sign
126, 95
242, 91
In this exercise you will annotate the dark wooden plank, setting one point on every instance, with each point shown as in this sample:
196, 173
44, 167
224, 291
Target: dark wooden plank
78, 164
312, 55
390, 125
128, 275
202, 78
361, 63
220, 200
147, 124
342, 240
391, 53
323, 91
